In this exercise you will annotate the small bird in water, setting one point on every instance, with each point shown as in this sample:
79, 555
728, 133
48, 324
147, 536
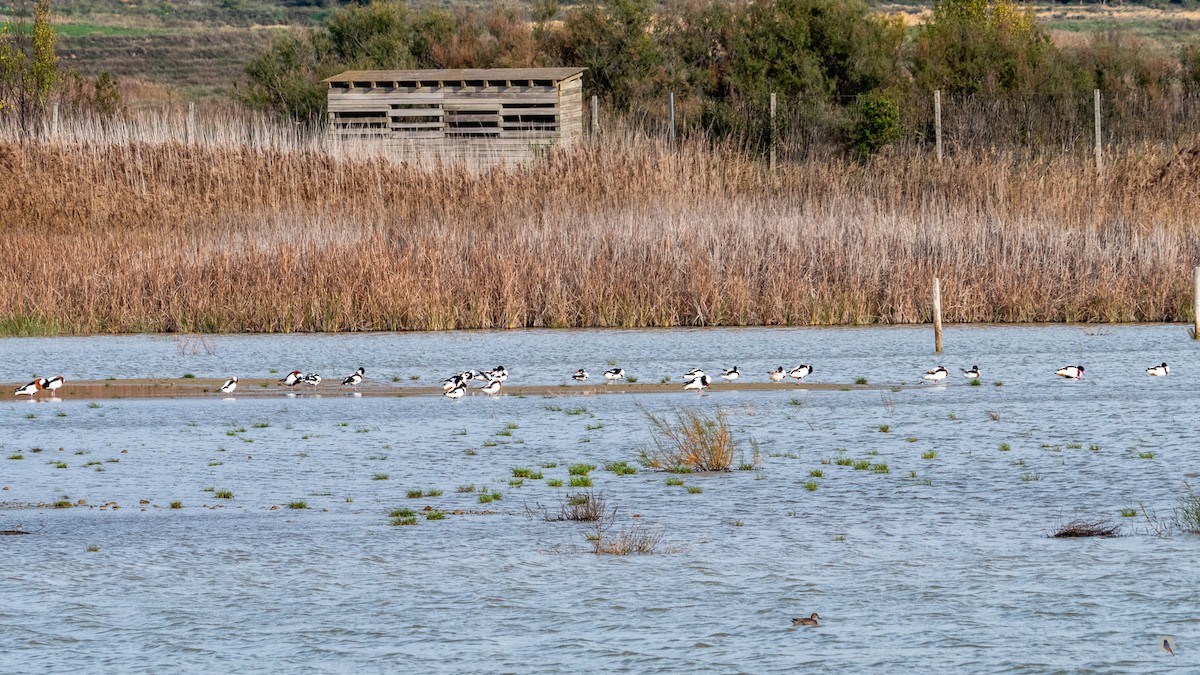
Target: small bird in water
1159, 371
731, 374
1070, 372
936, 374
698, 383
972, 374
293, 378
229, 385
31, 388
580, 375
806, 620
354, 379
53, 384
614, 374
777, 375
801, 371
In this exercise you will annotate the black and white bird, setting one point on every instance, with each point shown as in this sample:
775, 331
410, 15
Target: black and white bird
293, 378
614, 374
475, 375
731, 374
936, 374
580, 375
53, 384
31, 388
499, 373
777, 375
313, 379
692, 375
1161, 370
972, 373
457, 391
801, 371
354, 379
492, 387
1070, 372
698, 383
455, 381
229, 385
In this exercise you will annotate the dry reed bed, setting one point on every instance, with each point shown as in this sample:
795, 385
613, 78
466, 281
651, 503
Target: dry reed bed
106, 233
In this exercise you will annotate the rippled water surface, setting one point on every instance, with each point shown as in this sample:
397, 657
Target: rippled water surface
942, 564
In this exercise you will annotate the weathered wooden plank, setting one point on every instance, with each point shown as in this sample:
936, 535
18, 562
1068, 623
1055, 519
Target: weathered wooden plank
416, 112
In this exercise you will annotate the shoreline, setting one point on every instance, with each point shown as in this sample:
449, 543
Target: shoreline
88, 390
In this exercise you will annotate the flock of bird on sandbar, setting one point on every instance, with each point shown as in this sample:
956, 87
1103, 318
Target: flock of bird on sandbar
455, 386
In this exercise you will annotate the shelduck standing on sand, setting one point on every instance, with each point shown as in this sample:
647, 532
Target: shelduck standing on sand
801, 371
31, 388
453, 381
777, 375
1160, 370
293, 378
54, 384
699, 383
731, 374
229, 385
936, 374
457, 391
354, 379
692, 375
580, 375
491, 387
313, 379
614, 374
1070, 372
972, 374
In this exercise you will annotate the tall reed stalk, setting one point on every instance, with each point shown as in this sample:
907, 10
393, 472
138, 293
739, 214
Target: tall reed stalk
122, 227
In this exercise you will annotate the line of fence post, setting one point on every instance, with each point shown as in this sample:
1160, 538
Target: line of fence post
1196, 303
671, 128
191, 123
937, 315
937, 122
595, 115
54, 120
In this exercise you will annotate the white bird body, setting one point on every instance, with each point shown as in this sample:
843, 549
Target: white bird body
801, 371
692, 375
972, 374
354, 379
457, 392
53, 384
1159, 371
31, 388
1070, 372
731, 374
491, 387
613, 374
777, 375
229, 385
499, 373
580, 375
699, 383
936, 374
452, 382
313, 379
293, 378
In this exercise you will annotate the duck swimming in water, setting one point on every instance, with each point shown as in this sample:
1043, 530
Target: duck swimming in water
806, 620
936, 374
1070, 372
972, 374
1159, 371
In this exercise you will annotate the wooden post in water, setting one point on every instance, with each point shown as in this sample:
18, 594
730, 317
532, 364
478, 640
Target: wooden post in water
595, 115
772, 132
1099, 158
1196, 303
937, 315
54, 119
191, 123
937, 122
671, 105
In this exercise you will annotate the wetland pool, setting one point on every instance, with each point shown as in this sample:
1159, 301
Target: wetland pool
940, 563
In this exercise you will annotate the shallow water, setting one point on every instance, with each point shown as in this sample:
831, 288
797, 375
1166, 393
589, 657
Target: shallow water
950, 571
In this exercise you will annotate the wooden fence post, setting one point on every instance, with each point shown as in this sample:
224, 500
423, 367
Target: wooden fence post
671, 131
595, 115
54, 120
937, 122
191, 123
1099, 157
1196, 303
937, 315
772, 132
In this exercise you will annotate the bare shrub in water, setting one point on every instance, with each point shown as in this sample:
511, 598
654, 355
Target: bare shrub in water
692, 439
1086, 528
606, 539
579, 507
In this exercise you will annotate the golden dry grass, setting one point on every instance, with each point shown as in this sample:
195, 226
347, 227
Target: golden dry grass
260, 228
